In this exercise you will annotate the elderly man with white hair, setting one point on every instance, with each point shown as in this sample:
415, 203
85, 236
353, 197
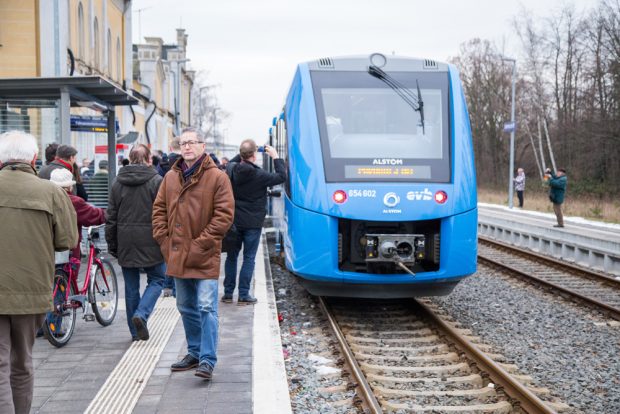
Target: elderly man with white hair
36, 218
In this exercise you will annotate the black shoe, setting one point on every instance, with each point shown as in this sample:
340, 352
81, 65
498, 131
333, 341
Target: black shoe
188, 362
204, 371
248, 300
558, 225
141, 329
227, 298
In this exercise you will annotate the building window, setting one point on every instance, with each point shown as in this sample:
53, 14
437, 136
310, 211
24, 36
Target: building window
80, 37
119, 61
97, 49
108, 50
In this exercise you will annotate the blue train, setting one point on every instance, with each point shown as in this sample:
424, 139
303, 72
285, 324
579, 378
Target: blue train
380, 199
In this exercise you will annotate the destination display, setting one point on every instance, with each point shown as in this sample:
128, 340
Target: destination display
419, 172
84, 123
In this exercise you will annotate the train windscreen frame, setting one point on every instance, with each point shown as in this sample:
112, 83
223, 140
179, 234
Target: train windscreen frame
365, 125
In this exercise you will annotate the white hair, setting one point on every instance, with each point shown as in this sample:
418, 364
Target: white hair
17, 146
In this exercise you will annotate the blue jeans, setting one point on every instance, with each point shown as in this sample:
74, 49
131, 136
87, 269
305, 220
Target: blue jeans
197, 303
135, 305
249, 238
169, 284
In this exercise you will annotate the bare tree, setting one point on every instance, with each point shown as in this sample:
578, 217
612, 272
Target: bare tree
568, 97
206, 112
487, 86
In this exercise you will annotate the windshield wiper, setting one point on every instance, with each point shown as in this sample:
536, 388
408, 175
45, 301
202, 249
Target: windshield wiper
415, 102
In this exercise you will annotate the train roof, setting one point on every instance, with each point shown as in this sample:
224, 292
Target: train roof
390, 63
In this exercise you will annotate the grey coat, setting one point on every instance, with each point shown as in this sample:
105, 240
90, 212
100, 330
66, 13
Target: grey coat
46, 171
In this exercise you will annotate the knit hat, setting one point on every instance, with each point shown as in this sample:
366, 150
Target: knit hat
62, 178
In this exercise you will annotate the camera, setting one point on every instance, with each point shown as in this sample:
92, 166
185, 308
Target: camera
261, 149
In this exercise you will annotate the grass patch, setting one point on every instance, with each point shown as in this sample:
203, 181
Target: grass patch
593, 207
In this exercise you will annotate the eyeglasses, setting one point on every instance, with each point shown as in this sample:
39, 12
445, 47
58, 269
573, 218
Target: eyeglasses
184, 143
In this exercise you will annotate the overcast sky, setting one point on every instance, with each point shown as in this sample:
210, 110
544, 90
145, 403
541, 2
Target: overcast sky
250, 48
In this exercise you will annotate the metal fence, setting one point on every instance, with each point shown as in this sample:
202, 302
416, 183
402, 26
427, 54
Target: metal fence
97, 189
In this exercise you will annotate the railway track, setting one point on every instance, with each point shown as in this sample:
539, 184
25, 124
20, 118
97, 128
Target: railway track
405, 357
597, 290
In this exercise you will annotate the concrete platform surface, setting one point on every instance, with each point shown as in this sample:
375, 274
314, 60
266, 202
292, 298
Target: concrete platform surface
102, 371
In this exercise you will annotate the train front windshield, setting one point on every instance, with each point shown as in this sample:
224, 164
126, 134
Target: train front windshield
370, 131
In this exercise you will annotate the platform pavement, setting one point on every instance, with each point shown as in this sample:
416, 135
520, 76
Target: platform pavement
67, 379
585, 242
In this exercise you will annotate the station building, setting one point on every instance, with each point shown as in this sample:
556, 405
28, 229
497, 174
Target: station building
40, 38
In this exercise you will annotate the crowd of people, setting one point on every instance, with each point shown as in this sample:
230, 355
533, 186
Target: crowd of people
166, 216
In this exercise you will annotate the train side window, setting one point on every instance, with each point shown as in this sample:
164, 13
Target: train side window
282, 149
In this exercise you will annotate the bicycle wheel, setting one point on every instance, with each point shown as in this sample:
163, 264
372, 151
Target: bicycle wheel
104, 293
60, 323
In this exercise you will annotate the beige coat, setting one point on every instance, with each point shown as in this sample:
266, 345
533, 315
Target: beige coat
36, 218
190, 219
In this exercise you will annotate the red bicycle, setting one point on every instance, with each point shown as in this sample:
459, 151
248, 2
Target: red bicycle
99, 292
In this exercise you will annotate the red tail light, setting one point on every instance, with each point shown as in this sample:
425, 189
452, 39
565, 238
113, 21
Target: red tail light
441, 197
339, 196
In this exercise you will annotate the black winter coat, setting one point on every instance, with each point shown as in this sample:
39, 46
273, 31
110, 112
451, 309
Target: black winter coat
250, 183
165, 164
129, 230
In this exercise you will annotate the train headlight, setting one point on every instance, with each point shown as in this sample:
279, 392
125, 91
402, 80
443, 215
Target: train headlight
441, 197
339, 196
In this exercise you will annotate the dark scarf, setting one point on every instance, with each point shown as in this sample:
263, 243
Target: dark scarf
189, 171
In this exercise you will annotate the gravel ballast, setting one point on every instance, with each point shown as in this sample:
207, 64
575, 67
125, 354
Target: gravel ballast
573, 351
317, 380
569, 349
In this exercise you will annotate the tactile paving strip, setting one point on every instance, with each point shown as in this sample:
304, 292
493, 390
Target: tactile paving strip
122, 389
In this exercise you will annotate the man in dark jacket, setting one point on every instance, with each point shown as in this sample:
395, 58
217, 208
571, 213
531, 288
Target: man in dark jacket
167, 163
250, 185
129, 234
557, 188
65, 158
50, 155
36, 218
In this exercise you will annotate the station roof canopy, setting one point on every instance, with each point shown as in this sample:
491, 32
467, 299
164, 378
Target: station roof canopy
87, 91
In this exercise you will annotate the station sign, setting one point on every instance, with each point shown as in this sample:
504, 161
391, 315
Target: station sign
509, 126
83, 123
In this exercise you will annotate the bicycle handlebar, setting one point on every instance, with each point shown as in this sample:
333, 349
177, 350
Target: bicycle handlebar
91, 228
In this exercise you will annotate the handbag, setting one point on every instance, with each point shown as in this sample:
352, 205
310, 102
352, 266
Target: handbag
230, 240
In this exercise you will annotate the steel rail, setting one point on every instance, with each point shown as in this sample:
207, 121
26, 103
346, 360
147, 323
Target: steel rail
527, 400
592, 274
609, 310
364, 386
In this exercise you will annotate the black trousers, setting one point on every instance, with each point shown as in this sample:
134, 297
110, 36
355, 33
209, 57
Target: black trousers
520, 197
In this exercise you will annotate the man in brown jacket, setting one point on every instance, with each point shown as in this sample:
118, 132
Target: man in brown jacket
192, 212
36, 218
